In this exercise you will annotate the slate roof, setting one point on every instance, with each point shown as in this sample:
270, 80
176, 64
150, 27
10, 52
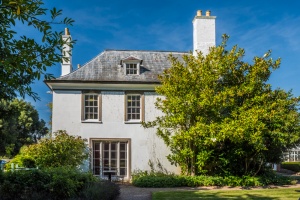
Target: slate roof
106, 67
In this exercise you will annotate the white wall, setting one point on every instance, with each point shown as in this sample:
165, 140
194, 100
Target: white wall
145, 145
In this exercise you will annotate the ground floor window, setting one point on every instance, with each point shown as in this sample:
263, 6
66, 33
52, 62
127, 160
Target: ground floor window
292, 155
110, 157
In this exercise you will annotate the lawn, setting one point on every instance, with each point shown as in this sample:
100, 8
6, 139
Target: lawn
257, 194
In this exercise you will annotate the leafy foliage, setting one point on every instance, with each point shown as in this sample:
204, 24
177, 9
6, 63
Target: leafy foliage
54, 183
19, 125
101, 190
61, 150
293, 166
144, 179
221, 116
24, 59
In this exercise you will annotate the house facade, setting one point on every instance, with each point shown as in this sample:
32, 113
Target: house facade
107, 98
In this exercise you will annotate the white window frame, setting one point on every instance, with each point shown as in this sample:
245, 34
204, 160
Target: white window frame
136, 62
134, 106
97, 108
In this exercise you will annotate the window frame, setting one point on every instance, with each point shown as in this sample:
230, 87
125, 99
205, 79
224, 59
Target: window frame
135, 62
141, 108
99, 170
99, 107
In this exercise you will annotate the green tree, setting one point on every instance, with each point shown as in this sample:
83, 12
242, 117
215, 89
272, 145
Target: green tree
24, 59
61, 150
221, 116
19, 125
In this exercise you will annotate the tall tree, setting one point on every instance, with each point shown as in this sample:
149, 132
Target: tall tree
24, 59
221, 116
19, 125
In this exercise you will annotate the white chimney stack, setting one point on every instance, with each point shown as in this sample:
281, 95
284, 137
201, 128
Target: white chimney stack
66, 66
204, 33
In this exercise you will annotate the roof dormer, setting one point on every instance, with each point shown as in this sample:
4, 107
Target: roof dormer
131, 65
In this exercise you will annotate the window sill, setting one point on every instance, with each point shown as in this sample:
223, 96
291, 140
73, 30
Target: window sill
90, 121
132, 122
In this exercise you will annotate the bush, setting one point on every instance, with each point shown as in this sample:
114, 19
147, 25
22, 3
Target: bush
144, 179
101, 190
159, 181
55, 183
21, 184
67, 182
275, 179
63, 150
293, 166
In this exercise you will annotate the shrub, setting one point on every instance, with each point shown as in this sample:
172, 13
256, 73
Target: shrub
144, 179
101, 190
63, 150
293, 166
274, 179
21, 184
159, 181
55, 183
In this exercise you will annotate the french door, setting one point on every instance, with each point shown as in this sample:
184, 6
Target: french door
110, 157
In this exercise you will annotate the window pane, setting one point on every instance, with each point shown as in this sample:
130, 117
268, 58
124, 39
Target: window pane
122, 146
97, 154
106, 154
122, 155
113, 155
96, 162
113, 163
106, 146
96, 146
113, 146
96, 170
122, 172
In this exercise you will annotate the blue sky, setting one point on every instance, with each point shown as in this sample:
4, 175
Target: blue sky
257, 26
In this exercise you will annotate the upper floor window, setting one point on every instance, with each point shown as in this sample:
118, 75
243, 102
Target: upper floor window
132, 68
134, 107
91, 106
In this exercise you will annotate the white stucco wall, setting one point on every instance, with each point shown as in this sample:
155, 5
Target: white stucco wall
144, 143
204, 34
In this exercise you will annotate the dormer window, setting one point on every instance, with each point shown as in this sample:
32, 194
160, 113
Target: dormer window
131, 68
131, 65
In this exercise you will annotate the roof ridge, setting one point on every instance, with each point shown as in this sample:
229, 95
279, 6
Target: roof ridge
165, 51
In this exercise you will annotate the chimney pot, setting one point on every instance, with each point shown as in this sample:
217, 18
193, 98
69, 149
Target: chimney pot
78, 66
199, 13
208, 13
67, 31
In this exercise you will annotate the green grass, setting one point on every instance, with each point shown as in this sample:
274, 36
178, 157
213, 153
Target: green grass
257, 194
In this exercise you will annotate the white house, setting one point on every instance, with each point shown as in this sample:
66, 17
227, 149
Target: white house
106, 100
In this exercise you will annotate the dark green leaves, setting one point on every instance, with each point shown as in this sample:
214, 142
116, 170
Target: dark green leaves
24, 59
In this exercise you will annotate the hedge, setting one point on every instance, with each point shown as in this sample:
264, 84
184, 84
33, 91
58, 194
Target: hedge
293, 166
